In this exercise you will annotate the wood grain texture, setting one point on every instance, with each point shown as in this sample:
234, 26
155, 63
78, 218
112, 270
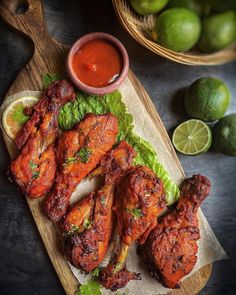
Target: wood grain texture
139, 28
49, 57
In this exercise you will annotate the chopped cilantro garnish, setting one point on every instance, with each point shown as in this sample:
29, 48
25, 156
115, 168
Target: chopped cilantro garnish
95, 273
73, 229
84, 154
90, 288
35, 174
70, 160
32, 164
81, 156
103, 200
87, 223
136, 212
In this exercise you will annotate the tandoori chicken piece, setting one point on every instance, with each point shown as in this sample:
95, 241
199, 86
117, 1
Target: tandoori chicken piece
57, 94
78, 216
35, 167
171, 248
79, 152
86, 248
139, 201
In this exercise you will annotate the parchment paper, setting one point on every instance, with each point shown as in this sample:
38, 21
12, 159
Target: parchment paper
210, 249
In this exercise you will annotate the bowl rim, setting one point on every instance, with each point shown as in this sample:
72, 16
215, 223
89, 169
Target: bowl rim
110, 87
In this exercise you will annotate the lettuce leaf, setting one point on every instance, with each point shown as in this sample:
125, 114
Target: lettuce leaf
74, 111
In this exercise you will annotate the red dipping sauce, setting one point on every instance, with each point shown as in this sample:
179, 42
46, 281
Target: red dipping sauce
97, 63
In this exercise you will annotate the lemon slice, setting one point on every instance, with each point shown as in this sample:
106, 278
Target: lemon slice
13, 117
192, 137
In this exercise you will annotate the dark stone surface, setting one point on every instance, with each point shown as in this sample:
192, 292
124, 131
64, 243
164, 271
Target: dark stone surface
24, 265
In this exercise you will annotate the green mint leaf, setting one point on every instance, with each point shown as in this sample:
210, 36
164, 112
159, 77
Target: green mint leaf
90, 288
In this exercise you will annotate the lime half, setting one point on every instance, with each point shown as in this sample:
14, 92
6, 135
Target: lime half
192, 137
13, 117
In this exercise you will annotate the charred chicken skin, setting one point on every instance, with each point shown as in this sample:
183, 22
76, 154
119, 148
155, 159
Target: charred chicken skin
171, 248
86, 248
139, 201
79, 152
35, 167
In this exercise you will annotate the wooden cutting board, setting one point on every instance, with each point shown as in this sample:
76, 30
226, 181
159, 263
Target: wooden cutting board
49, 57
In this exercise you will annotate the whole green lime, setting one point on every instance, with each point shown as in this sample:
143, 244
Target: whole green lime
146, 7
218, 31
195, 5
224, 135
207, 99
177, 29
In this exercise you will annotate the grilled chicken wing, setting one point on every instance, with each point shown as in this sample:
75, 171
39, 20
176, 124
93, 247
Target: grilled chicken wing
86, 249
139, 200
79, 152
171, 248
34, 168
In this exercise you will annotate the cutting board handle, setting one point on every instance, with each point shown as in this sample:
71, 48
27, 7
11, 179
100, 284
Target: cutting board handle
25, 16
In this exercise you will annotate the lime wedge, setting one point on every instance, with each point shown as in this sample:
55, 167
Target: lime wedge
192, 137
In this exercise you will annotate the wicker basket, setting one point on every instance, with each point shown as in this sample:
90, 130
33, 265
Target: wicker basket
139, 28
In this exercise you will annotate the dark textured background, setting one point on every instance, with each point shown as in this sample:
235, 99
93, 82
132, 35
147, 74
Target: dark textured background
24, 265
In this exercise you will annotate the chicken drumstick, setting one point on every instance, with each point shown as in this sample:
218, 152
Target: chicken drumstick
171, 248
35, 167
79, 152
139, 200
86, 248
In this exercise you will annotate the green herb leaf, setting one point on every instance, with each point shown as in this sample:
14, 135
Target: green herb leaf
35, 174
96, 272
118, 267
32, 164
70, 160
73, 229
136, 212
87, 223
103, 200
49, 78
19, 116
90, 288
84, 154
